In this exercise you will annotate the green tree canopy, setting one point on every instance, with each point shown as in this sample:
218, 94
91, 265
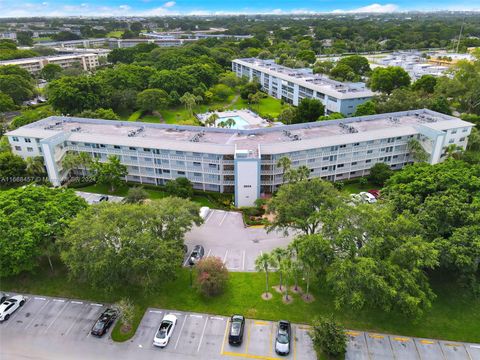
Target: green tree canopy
386, 79
152, 99
112, 172
51, 72
309, 110
123, 245
31, 219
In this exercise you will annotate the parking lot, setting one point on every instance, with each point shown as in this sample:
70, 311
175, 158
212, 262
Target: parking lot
207, 336
370, 346
223, 234
56, 328
92, 198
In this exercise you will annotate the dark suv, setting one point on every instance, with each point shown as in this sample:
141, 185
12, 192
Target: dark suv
197, 253
105, 320
283, 338
235, 335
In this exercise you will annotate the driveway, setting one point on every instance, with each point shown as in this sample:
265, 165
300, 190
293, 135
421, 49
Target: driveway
223, 234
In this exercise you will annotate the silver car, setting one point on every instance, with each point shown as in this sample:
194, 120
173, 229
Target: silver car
283, 338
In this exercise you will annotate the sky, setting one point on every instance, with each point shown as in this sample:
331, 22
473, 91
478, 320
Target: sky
28, 8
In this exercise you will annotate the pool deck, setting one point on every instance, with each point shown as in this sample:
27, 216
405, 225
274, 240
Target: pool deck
253, 120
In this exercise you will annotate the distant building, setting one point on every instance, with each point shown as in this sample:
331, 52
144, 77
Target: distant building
10, 35
292, 85
243, 162
33, 65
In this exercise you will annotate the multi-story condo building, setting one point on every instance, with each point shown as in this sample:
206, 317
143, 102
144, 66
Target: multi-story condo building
33, 65
292, 85
10, 35
243, 162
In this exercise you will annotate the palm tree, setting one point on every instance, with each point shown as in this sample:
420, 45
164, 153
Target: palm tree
230, 123
284, 163
85, 161
70, 162
189, 100
278, 254
417, 151
297, 267
263, 263
35, 166
453, 151
211, 120
285, 268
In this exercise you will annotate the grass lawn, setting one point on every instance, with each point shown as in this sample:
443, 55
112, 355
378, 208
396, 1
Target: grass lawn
356, 187
455, 314
43, 38
115, 34
268, 106
213, 201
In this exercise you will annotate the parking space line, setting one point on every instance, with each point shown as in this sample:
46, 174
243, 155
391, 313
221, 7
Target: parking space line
224, 338
209, 252
180, 334
74, 322
250, 356
223, 219
475, 346
248, 338
203, 333
209, 216
76, 302
294, 347
196, 316
216, 318
352, 333
376, 336
243, 261
258, 322
94, 304
225, 257
175, 313
155, 311
270, 341
427, 342
56, 317
39, 298
38, 313
401, 339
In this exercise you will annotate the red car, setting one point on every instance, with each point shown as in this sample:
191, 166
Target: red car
375, 193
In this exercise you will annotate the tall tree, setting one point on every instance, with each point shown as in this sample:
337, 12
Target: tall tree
123, 245
112, 172
189, 100
263, 263
389, 78
309, 110
300, 206
152, 99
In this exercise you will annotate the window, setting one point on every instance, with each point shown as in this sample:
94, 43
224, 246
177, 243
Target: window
343, 146
14, 138
146, 150
369, 151
340, 165
464, 130
356, 144
454, 131
247, 186
134, 158
368, 161
18, 148
450, 141
132, 148
166, 171
354, 163
29, 149
27, 140
462, 139
324, 168
116, 147
181, 172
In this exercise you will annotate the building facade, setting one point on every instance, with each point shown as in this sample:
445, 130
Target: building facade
87, 61
243, 162
292, 85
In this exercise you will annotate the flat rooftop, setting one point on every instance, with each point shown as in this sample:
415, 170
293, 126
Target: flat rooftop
48, 58
276, 139
307, 78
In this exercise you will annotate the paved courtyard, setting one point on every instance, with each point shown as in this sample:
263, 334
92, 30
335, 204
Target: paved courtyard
223, 234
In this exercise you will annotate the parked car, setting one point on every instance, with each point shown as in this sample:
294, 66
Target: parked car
103, 198
204, 211
165, 330
9, 306
237, 325
3, 297
375, 193
283, 338
197, 253
105, 320
368, 198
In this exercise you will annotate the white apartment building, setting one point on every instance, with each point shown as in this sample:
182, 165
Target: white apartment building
243, 162
292, 85
10, 35
35, 64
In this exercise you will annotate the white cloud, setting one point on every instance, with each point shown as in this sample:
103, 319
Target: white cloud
169, 4
277, 11
373, 8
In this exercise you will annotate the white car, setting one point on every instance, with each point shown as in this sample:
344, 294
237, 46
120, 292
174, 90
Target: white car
9, 306
204, 211
368, 198
165, 330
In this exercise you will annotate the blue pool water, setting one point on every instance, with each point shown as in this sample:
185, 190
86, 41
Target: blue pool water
240, 123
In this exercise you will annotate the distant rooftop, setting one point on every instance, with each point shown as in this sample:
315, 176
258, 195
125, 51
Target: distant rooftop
278, 139
48, 57
307, 78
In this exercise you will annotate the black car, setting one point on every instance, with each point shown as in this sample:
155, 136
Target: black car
196, 255
235, 335
283, 338
104, 322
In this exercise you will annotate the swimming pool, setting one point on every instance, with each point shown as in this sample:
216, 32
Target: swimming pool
240, 123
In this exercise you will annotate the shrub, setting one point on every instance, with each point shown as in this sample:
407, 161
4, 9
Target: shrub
379, 173
181, 187
363, 181
136, 194
339, 185
212, 276
329, 337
